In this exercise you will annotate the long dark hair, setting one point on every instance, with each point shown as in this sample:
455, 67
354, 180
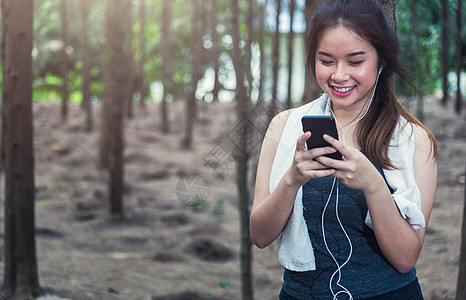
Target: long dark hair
367, 20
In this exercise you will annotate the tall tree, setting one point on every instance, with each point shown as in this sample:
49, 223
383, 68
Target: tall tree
142, 52
416, 53
130, 65
104, 138
461, 283
196, 73
21, 277
64, 34
215, 49
275, 59
444, 50
291, 7
459, 58
311, 88
166, 47
86, 104
249, 41
242, 156
105, 125
117, 36
262, 12
389, 9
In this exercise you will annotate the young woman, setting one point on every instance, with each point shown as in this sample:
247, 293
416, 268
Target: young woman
351, 228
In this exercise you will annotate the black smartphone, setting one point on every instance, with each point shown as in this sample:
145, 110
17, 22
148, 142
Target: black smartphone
318, 126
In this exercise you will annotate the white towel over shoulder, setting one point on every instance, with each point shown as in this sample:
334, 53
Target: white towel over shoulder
296, 252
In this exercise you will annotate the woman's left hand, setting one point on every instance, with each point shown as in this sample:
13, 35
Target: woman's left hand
355, 171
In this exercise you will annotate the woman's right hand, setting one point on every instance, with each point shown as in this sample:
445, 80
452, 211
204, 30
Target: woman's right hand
271, 210
304, 166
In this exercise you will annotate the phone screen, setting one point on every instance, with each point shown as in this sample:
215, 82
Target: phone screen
318, 126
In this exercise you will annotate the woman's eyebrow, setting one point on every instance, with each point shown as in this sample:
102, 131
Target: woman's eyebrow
324, 54
347, 55
356, 53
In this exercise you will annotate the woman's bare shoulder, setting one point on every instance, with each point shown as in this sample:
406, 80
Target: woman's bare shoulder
278, 122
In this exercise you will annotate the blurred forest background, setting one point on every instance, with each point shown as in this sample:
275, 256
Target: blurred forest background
129, 149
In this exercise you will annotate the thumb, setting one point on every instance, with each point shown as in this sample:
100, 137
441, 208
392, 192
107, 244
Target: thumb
300, 144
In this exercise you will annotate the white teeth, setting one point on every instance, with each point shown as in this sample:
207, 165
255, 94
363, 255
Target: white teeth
343, 90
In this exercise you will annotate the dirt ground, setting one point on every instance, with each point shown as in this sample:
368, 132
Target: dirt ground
180, 236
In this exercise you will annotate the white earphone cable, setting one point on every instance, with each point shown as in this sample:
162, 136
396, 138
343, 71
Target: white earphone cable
339, 267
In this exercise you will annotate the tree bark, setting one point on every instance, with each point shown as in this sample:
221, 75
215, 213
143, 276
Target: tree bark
242, 156
191, 107
166, 20
290, 53
86, 104
104, 139
21, 277
130, 66
389, 9
444, 51
276, 60
459, 57
64, 33
249, 41
215, 50
262, 12
142, 57
117, 35
416, 53
311, 88
461, 282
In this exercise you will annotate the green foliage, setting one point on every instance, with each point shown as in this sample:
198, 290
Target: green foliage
219, 208
48, 62
224, 284
424, 66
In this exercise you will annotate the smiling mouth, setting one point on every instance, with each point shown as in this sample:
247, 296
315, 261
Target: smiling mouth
343, 89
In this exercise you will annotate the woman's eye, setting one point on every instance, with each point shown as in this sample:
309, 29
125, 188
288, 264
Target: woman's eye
356, 63
326, 62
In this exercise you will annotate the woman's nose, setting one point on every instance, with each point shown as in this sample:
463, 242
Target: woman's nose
340, 73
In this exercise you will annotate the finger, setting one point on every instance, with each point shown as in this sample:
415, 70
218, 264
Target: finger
321, 173
300, 144
312, 165
328, 162
315, 152
335, 143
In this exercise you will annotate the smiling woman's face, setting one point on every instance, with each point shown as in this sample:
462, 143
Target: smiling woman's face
346, 68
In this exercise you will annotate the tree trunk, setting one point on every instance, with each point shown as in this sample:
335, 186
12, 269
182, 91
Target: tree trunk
242, 156
389, 10
117, 35
290, 53
459, 57
130, 67
262, 10
416, 54
191, 108
104, 139
249, 41
311, 88
86, 104
64, 34
166, 78
21, 277
276, 61
215, 50
461, 282
142, 57
444, 51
